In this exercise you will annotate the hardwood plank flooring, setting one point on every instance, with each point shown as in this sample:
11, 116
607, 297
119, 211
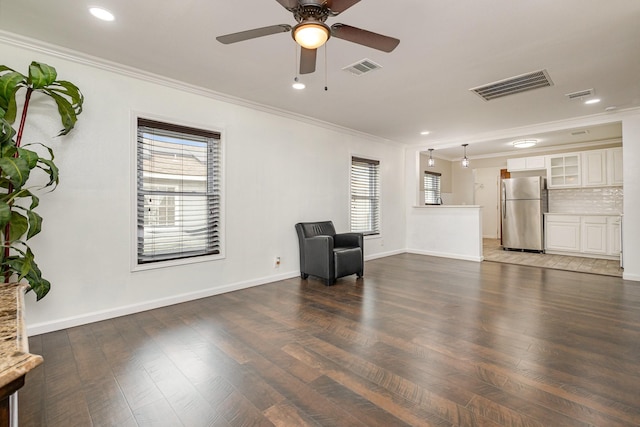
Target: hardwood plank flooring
419, 341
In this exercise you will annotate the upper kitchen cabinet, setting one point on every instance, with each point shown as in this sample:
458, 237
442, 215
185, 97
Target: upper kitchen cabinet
594, 168
526, 164
614, 166
563, 170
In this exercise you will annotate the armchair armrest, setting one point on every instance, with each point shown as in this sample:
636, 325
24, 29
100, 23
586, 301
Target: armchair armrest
319, 256
349, 240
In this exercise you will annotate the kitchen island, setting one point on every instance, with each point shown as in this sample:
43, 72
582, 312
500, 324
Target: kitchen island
449, 231
15, 359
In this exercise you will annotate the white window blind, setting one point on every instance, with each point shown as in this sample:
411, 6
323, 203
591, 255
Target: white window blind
365, 196
178, 200
432, 194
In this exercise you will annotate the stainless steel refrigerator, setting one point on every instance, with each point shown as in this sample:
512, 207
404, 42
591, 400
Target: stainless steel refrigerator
524, 201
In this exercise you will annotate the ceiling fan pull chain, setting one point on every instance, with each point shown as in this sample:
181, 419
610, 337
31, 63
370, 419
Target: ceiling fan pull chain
326, 84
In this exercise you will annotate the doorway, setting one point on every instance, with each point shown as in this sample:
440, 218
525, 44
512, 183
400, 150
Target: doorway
486, 183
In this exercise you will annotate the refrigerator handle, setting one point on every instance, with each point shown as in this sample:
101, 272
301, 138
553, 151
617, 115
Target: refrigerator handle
503, 199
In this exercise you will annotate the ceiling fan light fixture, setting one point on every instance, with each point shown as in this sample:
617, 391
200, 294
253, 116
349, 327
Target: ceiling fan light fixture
311, 35
297, 84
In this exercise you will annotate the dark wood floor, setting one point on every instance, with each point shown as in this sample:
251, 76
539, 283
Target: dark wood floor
419, 341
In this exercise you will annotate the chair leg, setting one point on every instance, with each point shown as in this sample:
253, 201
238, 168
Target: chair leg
304, 275
329, 282
360, 274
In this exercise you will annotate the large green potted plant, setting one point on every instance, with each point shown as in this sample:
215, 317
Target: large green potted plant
18, 220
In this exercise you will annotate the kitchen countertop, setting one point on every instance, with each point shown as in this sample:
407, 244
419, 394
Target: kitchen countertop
584, 214
15, 359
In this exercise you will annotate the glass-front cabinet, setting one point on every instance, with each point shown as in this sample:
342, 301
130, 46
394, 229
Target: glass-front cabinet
563, 170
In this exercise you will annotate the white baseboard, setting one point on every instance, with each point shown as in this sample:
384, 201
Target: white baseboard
445, 255
384, 254
97, 316
628, 276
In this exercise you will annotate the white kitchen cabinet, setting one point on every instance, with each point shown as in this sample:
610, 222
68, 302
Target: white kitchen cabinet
562, 233
594, 168
563, 170
614, 166
594, 235
526, 163
614, 237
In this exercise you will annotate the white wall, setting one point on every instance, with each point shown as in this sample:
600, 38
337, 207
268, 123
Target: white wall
278, 171
631, 203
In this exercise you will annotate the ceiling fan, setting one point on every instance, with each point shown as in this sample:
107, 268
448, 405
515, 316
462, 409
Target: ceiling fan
311, 32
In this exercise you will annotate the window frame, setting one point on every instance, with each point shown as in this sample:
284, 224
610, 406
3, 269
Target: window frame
378, 163
135, 264
438, 190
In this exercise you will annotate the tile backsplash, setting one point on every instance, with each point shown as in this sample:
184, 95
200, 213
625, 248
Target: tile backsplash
606, 200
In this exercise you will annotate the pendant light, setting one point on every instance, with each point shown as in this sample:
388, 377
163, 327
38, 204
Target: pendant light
431, 162
465, 159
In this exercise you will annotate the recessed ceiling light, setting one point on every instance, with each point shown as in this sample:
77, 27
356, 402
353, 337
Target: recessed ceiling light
524, 143
425, 132
592, 101
101, 13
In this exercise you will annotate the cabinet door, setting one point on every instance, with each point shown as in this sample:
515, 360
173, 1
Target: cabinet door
563, 171
614, 166
518, 164
594, 235
563, 233
594, 167
613, 235
534, 163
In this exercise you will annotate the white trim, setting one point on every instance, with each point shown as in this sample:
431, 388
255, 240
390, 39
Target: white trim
134, 266
628, 276
445, 255
114, 67
383, 255
97, 316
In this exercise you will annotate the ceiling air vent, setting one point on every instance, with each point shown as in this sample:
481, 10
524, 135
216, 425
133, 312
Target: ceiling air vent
580, 94
580, 132
362, 67
513, 85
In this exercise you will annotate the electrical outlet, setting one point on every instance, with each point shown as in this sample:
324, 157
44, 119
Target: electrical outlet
277, 263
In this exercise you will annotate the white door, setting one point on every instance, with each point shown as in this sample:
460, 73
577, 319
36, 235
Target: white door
487, 194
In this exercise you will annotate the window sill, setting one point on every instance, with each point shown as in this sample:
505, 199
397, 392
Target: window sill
175, 262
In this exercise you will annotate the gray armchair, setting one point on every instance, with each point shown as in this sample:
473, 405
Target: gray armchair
328, 255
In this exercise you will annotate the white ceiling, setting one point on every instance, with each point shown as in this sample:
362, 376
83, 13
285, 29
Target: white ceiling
446, 48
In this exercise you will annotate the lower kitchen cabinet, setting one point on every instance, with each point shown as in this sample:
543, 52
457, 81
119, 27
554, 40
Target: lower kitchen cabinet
594, 234
562, 233
583, 235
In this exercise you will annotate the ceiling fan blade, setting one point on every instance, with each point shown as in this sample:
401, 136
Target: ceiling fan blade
339, 6
307, 60
252, 34
364, 37
288, 4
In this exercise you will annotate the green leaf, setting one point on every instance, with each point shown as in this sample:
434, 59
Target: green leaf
51, 169
19, 226
16, 170
5, 214
6, 133
67, 112
9, 85
41, 75
31, 157
35, 224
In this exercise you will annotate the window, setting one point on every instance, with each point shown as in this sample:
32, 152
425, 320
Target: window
178, 197
432, 188
365, 196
